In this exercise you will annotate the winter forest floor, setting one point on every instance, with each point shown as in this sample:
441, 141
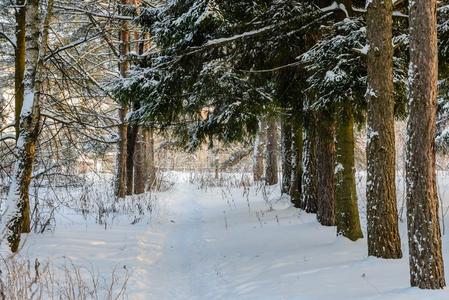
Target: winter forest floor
229, 242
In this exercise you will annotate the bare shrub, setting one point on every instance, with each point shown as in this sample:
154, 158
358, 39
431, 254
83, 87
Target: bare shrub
205, 180
22, 279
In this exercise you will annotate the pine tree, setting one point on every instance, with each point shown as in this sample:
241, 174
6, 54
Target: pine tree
131, 145
337, 79
424, 236
347, 210
121, 160
309, 197
382, 218
201, 51
258, 155
271, 165
140, 162
326, 153
286, 155
295, 188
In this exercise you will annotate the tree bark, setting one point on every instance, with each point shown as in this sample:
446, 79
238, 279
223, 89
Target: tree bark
20, 57
17, 204
140, 174
309, 197
326, 153
3, 113
295, 189
287, 168
382, 216
347, 211
120, 174
271, 166
258, 156
19, 75
132, 138
150, 165
424, 236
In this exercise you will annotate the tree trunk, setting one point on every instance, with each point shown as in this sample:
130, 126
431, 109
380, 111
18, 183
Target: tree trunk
424, 236
17, 205
3, 112
271, 166
216, 162
382, 216
287, 169
258, 157
132, 137
20, 57
140, 174
347, 211
326, 153
309, 200
295, 189
120, 174
150, 166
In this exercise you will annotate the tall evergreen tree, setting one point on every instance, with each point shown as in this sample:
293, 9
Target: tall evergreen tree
121, 160
258, 154
309, 196
383, 232
337, 80
286, 155
271, 161
298, 143
424, 235
347, 210
326, 153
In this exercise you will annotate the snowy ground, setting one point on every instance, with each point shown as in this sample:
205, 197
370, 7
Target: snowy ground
226, 243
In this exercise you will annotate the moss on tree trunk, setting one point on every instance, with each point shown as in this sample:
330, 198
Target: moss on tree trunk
347, 211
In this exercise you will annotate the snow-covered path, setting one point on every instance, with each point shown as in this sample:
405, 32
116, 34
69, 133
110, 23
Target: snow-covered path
224, 244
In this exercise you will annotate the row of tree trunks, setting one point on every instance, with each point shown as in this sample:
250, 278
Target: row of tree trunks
337, 204
135, 171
